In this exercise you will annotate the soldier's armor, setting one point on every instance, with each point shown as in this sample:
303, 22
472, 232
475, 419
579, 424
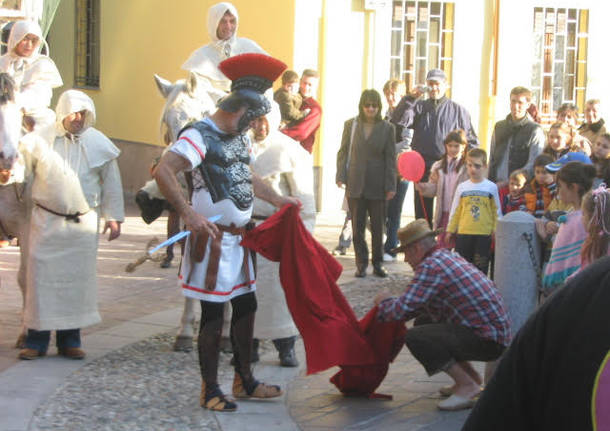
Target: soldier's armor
225, 172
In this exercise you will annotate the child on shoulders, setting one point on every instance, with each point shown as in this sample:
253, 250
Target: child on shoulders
289, 99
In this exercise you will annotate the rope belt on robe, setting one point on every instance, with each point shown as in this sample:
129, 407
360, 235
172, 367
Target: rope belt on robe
198, 248
331, 333
75, 217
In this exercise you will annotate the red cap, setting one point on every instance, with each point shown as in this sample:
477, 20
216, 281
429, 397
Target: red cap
252, 64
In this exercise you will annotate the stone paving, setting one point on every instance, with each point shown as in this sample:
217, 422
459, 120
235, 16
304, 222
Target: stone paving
132, 380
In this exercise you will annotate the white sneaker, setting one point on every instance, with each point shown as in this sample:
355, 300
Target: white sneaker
389, 258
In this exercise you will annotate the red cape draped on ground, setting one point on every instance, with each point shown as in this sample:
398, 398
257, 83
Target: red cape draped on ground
328, 325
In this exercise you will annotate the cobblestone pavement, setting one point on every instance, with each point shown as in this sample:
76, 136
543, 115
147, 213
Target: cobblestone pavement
132, 379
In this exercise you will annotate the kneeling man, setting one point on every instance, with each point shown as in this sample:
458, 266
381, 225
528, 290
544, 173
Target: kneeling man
461, 316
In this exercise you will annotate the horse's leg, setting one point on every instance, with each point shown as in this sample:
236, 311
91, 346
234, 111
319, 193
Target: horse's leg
184, 337
173, 227
21, 274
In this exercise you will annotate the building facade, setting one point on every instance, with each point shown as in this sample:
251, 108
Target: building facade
111, 50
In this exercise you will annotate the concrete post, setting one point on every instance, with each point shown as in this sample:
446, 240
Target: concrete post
514, 273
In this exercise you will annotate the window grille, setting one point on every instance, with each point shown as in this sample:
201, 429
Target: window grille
87, 38
559, 73
422, 39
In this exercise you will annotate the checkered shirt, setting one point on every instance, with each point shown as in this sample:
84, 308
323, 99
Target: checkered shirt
451, 290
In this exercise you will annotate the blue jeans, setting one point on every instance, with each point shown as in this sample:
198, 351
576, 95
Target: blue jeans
393, 216
39, 340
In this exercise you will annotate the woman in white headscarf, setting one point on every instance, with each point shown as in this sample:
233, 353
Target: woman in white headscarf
76, 181
35, 75
286, 166
222, 27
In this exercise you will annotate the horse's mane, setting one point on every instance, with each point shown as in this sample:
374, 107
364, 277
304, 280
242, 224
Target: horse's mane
7, 89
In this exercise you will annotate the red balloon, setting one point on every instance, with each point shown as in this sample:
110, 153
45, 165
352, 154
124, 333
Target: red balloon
411, 166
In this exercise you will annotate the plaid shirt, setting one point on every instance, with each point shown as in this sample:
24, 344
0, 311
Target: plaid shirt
451, 290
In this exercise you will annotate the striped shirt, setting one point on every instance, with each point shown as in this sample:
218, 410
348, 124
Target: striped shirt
451, 290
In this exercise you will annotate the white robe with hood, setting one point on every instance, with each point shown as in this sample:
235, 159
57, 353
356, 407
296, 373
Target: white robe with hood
70, 174
205, 60
35, 76
286, 166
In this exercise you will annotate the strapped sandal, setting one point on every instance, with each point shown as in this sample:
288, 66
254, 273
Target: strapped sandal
216, 401
254, 389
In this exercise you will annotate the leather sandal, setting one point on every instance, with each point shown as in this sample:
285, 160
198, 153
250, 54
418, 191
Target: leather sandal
255, 389
216, 401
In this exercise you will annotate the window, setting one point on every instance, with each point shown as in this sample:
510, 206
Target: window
422, 39
559, 73
87, 54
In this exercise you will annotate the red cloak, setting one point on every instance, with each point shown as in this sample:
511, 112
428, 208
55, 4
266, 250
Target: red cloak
328, 325
305, 130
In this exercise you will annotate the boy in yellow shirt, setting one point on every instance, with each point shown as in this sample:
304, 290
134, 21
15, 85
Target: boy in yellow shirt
474, 211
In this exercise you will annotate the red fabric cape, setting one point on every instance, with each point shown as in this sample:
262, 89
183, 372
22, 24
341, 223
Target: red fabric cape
328, 325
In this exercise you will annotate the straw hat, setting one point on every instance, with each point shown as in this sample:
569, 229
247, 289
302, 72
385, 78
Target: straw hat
412, 232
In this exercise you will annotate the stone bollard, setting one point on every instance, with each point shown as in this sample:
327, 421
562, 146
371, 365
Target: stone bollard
514, 273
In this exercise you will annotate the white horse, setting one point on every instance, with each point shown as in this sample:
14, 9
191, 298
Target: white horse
14, 192
186, 101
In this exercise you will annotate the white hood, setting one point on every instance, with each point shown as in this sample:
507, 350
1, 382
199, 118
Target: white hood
215, 14
20, 30
74, 101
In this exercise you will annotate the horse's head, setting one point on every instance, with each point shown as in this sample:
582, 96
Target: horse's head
186, 101
10, 124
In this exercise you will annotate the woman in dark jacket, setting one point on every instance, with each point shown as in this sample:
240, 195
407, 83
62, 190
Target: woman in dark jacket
366, 165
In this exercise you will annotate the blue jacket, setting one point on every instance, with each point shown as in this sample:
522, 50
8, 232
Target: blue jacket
431, 124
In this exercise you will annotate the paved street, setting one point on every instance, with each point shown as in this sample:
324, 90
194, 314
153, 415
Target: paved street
132, 379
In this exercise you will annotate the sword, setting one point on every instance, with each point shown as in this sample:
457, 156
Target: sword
131, 267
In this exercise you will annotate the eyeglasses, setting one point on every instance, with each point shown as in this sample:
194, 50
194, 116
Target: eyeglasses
370, 105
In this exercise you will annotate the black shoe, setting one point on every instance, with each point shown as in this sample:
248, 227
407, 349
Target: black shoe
380, 271
360, 272
285, 348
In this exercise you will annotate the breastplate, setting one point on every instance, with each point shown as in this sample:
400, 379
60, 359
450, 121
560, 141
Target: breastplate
225, 169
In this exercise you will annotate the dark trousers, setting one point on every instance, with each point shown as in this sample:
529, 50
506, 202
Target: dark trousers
438, 346
394, 212
428, 202
375, 209
65, 338
476, 249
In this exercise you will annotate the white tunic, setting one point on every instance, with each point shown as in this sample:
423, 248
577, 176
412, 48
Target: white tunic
285, 166
77, 174
61, 282
232, 279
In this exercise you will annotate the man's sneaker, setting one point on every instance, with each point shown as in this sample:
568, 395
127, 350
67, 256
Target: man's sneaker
387, 257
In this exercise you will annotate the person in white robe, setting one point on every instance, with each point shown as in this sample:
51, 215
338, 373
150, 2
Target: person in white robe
285, 166
35, 74
76, 181
222, 26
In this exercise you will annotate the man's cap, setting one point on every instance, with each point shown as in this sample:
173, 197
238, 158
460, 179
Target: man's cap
252, 71
436, 75
412, 232
576, 156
